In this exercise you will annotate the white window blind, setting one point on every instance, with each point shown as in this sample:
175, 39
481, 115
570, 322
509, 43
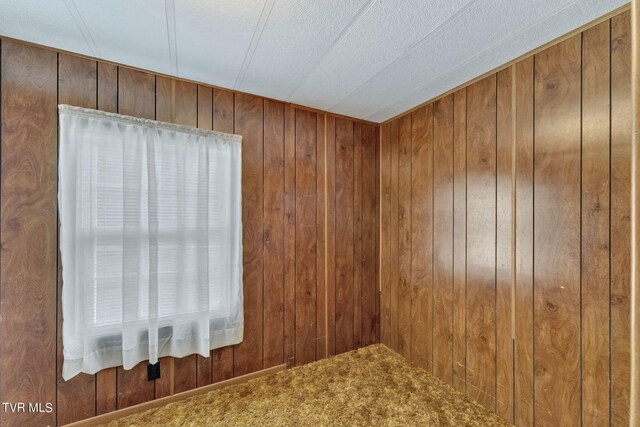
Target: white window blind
150, 239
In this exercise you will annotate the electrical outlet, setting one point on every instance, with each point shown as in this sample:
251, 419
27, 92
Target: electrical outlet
153, 371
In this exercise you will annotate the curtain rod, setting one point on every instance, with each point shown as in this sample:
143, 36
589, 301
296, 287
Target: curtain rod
148, 123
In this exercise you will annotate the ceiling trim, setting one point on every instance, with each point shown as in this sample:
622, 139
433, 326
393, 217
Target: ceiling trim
479, 53
182, 79
513, 61
572, 33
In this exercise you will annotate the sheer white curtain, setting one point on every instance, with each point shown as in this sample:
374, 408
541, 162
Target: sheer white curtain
150, 239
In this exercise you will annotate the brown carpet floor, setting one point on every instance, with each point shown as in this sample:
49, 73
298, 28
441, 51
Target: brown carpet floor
369, 386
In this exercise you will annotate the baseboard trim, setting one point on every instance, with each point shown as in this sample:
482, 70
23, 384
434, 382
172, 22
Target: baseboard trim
136, 409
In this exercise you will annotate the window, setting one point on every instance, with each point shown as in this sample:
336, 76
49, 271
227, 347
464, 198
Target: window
151, 245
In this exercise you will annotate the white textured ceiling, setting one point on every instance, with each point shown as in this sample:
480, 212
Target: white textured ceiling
370, 59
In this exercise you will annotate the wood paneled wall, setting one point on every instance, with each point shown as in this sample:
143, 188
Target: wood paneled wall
505, 234
309, 190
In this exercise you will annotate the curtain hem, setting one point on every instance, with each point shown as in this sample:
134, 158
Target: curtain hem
116, 356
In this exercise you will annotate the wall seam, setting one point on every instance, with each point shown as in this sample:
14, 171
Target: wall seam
581, 222
326, 242
495, 253
533, 243
514, 237
57, 238
610, 228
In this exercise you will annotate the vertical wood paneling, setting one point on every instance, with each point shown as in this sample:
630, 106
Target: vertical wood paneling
205, 121
107, 87
481, 234
28, 227
595, 224
77, 85
524, 244
106, 391
472, 321
273, 339
385, 236
305, 237
378, 203
223, 110
289, 235
536, 348
136, 97
459, 238
394, 236
248, 122
504, 245
420, 213
621, 126
369, 292
345, 230
331, 234
357, 234
557, 234
404, 236
443, 239
321, 274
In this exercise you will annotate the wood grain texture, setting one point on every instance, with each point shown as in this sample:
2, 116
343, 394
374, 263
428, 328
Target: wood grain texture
247, 356
504, 244
77, 86
107, 87
330, 135
106, 382
29, 230
136, 97
344, 236
378, 233
394, 236
420, 213
369, 292
566, 188
273, 314
621, 127
321, 238
357, 234
524, 396
223, 113
205, 121
305, 237
459, 239
289, 235
557, 234
595, 224
481, 229
385, 236
634, 303
443, 158
269, 200
404, 236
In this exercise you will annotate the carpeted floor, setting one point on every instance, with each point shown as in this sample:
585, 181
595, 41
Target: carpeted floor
369, 386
